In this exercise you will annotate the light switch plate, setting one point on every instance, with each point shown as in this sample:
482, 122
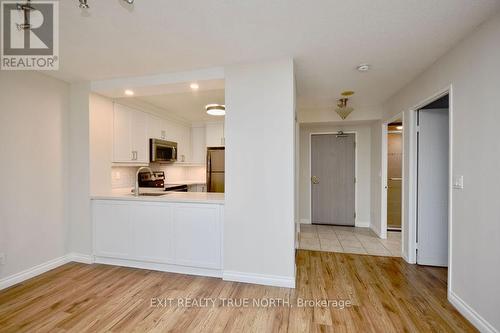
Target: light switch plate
458, 182
2, 258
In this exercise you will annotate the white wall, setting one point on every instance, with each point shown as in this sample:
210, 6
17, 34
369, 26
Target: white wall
472, 68
34, 111
80, 229
363, 167
259, 205
101, 143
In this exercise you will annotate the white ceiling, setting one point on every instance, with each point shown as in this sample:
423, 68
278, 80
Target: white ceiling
189, 106
327, 39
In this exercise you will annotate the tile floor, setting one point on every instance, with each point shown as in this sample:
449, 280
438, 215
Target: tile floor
348, 240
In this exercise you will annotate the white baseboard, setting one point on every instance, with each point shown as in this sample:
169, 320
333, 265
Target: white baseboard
377, 231
32, 272
305, 221
9, 281
362, 224
179, 269
267, 280
479, 322
81, 258
406, 258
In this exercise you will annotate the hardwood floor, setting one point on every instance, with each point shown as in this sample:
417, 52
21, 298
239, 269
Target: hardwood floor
387, 294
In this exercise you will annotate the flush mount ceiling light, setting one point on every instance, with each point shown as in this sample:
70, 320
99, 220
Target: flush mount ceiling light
84, 3
363, 67
342, 109
216, 109
129, 92
194, 86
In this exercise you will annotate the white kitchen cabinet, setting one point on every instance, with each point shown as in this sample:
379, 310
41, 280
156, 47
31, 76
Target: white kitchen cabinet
111, 229
182, 135
197, 188
140, 139
197, 235
156, 128
151, 232
198, 146
122, 138
168, 236
215, 135
130, 135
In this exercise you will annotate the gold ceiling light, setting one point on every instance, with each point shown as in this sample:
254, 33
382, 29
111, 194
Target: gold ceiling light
342, 109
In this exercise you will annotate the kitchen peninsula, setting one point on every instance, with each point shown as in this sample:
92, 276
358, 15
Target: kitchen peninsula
177, 232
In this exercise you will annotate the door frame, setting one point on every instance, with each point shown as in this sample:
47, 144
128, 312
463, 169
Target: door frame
413, 176
383, 176
355, 172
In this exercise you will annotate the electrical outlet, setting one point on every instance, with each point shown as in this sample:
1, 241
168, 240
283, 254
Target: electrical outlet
116, 175
458, 182
2, 258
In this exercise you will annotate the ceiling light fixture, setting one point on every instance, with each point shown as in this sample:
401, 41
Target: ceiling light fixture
84, 4
26, 8
363, 68
129, 92
216, 109
342, 109
195, 86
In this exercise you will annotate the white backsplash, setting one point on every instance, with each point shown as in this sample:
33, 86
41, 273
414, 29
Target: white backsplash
125, 176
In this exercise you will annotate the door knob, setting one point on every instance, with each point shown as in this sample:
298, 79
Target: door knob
315, 180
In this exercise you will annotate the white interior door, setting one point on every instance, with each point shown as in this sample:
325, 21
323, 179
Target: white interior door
433, 187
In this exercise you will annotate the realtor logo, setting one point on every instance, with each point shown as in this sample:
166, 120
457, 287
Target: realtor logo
30, 35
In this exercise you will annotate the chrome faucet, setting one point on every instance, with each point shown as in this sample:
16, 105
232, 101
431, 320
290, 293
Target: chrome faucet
136, 190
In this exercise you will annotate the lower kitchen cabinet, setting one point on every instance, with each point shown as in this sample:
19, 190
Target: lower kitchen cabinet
153, 234
197, 230
197, 188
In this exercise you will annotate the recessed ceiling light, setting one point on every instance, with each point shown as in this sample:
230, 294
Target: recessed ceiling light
129, 92
216, 109
363, 68
194, 86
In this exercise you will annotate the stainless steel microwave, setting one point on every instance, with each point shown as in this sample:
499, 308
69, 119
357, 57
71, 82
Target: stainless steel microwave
162, 151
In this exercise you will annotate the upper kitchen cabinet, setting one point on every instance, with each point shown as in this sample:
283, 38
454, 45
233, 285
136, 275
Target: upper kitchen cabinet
156, 128
130, 135
198, 146
181, 134
215, 135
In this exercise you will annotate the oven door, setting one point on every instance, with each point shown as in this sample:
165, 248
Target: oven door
163, 151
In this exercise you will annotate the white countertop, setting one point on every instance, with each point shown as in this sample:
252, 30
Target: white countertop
185, 197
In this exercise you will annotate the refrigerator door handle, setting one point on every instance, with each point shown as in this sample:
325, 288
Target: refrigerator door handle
209, 171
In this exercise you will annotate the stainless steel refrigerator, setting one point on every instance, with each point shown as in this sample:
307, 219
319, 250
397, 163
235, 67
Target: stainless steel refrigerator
215, 169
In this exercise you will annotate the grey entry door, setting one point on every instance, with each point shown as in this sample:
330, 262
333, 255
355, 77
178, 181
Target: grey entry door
433, 185
333, 179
